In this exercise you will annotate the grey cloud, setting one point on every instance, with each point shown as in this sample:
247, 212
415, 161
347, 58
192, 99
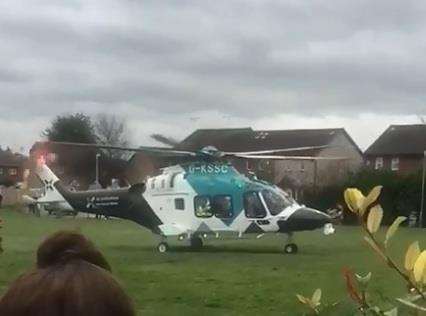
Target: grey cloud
249, 59
12, 76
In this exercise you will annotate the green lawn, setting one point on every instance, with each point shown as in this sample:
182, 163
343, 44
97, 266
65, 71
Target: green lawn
228, 277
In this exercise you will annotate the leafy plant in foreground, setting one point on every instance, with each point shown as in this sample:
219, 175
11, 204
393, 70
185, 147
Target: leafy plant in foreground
413, 272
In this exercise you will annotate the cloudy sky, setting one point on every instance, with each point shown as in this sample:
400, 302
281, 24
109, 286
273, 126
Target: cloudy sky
173, 66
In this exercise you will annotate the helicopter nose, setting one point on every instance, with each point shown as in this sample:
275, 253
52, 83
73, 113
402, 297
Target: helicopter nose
304, 219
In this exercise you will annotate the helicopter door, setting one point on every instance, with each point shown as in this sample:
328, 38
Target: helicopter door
253, 206
255, 211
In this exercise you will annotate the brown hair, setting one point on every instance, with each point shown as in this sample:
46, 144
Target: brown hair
72, 278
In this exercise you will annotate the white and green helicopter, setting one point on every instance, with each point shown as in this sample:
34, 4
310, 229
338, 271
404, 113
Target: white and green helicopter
203, 197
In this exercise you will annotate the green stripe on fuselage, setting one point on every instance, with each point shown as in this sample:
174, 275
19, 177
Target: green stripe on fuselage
221, 179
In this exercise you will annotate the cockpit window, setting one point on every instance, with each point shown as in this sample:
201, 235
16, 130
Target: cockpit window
275, 202
253, 205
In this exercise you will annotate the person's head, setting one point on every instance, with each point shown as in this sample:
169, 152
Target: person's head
71, 278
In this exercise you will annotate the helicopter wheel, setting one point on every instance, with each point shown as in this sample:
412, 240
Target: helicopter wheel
163, 247
291, 249
196, 243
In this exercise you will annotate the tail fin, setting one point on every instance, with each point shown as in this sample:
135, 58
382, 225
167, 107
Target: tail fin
44, 173
49, 180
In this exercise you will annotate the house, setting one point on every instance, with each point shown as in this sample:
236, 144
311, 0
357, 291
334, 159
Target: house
12, 166
13, 170
292, 175
399, 149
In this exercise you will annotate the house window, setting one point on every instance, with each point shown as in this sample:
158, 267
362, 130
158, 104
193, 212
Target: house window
249, 165
1, 171
202, 205
153, 184
379, 163
52, 157
395, 164
222, 206
13, 171
180, 204
163, 183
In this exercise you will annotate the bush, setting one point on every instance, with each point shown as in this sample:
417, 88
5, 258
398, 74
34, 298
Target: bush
7, 182
400, 197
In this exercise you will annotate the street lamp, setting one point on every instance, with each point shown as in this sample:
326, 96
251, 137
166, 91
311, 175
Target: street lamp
97, 169
422, 204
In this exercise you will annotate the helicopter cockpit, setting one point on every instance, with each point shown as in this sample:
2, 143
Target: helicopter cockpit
275, 202
258, 203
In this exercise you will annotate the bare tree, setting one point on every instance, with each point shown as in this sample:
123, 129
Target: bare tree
166, 140
112, 130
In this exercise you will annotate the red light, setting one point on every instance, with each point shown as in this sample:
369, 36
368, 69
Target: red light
41, 161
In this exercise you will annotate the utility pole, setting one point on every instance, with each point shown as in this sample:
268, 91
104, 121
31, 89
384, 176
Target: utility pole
97, 169
422, 205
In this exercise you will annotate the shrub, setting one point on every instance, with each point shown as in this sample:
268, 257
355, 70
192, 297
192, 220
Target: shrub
400, 197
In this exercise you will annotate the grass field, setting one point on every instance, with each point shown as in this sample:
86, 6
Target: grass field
227, 277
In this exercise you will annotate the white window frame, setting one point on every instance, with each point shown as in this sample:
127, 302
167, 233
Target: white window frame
249, 165
378, 163
395, 164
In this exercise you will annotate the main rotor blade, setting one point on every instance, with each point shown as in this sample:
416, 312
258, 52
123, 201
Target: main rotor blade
146, 149
273, 151
273, 157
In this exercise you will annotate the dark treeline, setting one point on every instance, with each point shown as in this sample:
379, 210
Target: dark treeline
401, 195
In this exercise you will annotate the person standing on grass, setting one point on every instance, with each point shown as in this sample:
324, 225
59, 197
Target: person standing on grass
71, 278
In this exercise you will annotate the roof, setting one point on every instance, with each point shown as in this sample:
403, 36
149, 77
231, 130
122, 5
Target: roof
10, 159
230, 139
400, 139
247, 139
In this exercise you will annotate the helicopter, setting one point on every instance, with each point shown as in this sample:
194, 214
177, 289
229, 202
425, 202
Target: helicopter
204, 196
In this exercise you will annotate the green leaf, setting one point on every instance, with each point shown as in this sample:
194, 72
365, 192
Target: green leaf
371, 198
419, 267
393, 228
411, 256
374, 219
302, 299
363, 281
354, 199
392, 312
411, 305
316, 298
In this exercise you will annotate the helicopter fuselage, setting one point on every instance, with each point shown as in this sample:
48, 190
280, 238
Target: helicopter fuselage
198, 199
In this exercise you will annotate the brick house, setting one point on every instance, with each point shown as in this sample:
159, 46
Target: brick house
399, 149
292, 175
12, 166
13, 170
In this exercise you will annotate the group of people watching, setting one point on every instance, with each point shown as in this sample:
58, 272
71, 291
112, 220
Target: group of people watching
71, 278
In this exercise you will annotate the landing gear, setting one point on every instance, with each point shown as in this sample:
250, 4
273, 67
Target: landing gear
291, 249
163, 247
196, 242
